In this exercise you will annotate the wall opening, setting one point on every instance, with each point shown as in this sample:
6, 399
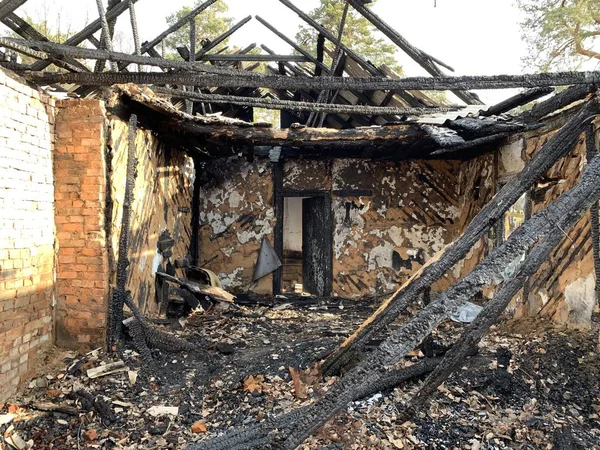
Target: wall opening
292, 244
307, 244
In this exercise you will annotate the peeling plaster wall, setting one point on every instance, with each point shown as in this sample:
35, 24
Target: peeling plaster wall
563, 288
383, 239
236, 212
162, 202
378, 241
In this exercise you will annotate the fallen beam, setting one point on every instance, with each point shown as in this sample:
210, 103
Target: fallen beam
558, 146
455, 357
257, 80
299, 106
256, 437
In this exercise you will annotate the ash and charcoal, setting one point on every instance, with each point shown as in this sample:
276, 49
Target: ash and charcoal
526, 388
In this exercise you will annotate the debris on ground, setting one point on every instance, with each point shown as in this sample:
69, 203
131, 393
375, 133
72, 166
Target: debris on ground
530, 386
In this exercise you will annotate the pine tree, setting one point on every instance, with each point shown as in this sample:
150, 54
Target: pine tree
358, 34
210, 24
560, 34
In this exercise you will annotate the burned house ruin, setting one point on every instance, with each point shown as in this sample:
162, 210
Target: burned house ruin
118, 185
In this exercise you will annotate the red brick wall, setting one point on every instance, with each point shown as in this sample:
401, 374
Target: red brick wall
26, 230
80, 193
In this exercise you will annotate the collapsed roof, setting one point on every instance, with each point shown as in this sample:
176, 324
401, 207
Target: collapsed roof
209, 95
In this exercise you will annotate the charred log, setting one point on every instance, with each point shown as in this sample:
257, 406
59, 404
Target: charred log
258, 80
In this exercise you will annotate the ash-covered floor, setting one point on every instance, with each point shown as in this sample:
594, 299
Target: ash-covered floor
548, 397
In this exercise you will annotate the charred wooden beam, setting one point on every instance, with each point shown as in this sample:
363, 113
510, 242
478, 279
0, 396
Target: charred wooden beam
257, 80
455, 357
134, 31
293, 44
257, 437
89, 30
9, 6
61, 51
558, 146
515, 101
297, 105
560, 100
322, 30
215, 42
251, 57
108, 31
390, 136
23, 29
417, 55
176, 26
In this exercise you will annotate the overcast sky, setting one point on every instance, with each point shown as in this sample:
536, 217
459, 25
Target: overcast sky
476, 37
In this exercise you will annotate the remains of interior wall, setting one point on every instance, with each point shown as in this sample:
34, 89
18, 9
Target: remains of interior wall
26, 230
161, 209
236, 213
378, 240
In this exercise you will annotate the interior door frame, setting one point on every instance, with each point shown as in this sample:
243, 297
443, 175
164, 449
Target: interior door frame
278, 231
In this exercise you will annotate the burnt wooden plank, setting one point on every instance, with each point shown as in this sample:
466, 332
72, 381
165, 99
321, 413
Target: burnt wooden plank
257, 80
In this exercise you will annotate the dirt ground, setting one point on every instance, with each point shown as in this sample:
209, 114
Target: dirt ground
531, 386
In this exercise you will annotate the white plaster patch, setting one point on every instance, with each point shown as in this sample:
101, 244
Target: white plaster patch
260, 228
580, 299
156, 261
235, 199
395, 234
381, 256
512, 160
233, 279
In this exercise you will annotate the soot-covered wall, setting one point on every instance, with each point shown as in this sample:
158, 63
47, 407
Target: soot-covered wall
379, 240
162, 206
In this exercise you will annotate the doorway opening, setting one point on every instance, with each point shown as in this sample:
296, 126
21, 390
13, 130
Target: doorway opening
307, 245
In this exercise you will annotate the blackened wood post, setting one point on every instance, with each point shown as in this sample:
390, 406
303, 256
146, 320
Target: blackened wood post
278, 200
591, 152
195, 235
119, 294
189, 103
